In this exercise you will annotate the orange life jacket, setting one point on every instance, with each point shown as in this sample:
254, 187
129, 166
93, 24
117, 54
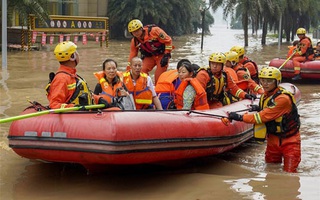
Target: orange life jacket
200, 101
142, 95
108, 91
232, 73
165, 82
290, 51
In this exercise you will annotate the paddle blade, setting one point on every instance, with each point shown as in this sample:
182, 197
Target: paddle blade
260, 132
44, 112
225, 121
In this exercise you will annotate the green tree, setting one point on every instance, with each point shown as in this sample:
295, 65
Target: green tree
26, 7
176, 17
266, 14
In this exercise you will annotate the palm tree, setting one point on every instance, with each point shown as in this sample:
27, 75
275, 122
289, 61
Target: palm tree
27, 7
175, 16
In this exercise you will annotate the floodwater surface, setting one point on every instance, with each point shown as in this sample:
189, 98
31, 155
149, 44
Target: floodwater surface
238, 174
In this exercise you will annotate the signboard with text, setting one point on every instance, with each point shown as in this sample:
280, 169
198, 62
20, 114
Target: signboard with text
61, 23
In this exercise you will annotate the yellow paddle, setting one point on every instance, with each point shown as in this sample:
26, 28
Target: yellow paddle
59, 110
294, 52
260, 132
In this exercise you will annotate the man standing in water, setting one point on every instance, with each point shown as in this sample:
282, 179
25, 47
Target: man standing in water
154, 44
278, 111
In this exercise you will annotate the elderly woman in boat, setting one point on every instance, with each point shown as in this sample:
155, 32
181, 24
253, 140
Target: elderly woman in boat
110, 85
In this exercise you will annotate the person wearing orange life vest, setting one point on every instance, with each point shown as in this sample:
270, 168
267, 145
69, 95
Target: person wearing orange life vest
110, 84
305, 52
250, 86
216, 82
66, 88
167, 84
243, 80
240, 76
292, 48
190, 94
232, 60
140, 85
154, 44
247, 63
278, 111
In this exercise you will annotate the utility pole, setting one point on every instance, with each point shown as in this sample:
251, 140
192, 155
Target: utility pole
4, 34
203, 10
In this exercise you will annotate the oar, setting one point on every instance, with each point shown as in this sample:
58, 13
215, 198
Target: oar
59, 110
294, 52
224, 119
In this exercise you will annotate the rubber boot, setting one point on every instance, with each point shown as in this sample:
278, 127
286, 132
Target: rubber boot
296, 77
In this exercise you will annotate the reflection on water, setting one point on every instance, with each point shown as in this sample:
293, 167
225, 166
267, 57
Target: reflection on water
241, 173
267, 186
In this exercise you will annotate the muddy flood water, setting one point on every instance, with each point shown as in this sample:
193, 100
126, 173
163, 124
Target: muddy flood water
237, 174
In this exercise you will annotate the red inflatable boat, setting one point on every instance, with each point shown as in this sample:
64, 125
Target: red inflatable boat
129, 137
309, 69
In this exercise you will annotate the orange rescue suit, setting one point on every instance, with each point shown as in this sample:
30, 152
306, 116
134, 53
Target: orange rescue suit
287, 146
152, 57
215, 86
64, 86
303, 54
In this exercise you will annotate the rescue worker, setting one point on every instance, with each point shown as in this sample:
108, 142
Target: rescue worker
190, 94
66, 88
216, 82
241, 76
167, 84
305, 52
110, 84
244, 80
247, 84
247, 63
232, 60
140, 85
154, 44
278, 111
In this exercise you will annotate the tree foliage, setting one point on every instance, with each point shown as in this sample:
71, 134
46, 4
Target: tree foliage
266, 14
176, 17
26, 7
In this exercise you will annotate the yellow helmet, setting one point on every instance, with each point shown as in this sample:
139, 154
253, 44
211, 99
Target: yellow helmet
64, 50
238, 49
301, 31
270, 72
134, 25
218, 58
232, 56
